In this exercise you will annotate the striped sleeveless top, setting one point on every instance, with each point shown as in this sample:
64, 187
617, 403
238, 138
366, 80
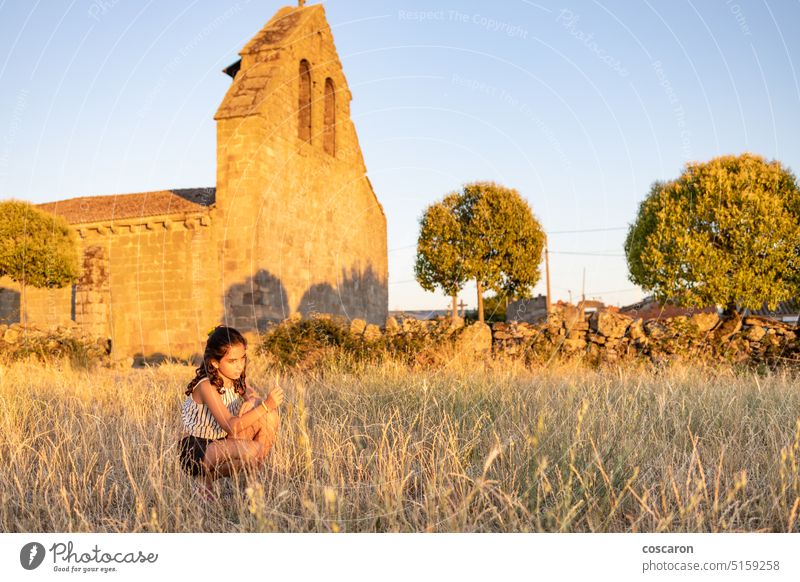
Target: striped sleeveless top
198, 420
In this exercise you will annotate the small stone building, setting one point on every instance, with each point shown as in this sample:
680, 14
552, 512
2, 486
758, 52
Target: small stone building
531, 310
293, 225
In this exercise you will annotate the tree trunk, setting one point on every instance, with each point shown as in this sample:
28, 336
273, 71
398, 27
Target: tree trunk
22, 303
480, 300
455, 307
729, 311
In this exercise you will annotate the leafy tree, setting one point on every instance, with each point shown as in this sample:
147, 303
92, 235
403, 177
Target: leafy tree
504, 239
440, 252
726, 232
36, 248
485, 232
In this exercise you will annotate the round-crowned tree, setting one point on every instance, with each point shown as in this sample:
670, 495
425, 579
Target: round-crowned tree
725, 232
485, 232
440, 252
36, 248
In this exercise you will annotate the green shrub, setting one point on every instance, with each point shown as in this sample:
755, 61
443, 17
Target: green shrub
51, 346
313, 342
304, 342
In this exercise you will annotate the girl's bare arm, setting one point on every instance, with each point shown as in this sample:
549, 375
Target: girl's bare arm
230, 424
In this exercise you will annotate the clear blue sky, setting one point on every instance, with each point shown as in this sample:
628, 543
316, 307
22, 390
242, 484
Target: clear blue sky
578, 105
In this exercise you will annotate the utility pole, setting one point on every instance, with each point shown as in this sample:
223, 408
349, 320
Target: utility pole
547, 273
583, 286
583, 291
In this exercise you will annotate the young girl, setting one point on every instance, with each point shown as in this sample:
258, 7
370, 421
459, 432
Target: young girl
223, 432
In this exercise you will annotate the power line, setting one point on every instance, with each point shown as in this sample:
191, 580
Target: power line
401, 248
612, 291
612, 228
589, 254
588, 230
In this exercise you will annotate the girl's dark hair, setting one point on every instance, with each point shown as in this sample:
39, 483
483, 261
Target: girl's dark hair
219, 342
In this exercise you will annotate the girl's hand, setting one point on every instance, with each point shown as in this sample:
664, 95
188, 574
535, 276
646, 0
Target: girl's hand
275, 398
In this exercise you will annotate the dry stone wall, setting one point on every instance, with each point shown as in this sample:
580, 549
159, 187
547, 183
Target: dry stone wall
608, 336
22, 342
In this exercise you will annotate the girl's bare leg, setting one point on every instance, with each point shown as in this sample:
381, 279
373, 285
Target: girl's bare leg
227, 456
263, 432
248, 449
225, 469
267, 431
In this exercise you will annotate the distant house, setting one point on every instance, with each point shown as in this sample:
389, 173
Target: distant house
535, 310
528, 310
786, 311
591, 306
649, 308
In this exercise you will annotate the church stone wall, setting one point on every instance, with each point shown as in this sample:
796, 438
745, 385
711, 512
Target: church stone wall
148, 287
304, 230
161, 279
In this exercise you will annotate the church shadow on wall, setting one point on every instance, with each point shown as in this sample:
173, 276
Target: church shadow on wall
247, 306
255, 302
9, 306
261, 300
352, 298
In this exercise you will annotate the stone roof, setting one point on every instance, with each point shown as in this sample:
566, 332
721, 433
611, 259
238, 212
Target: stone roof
125, 206
252, 76
280, 28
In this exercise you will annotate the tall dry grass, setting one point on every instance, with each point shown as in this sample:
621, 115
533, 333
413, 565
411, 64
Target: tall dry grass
387, 448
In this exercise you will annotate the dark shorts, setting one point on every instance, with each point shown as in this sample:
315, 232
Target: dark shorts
192, 450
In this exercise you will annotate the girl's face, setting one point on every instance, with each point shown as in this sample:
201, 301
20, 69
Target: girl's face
232, 364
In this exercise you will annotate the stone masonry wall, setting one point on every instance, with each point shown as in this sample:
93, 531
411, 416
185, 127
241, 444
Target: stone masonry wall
302, 229
49, 307
608, 336
154, 278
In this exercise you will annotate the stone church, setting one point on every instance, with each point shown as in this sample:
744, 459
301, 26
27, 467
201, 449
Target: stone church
292, 227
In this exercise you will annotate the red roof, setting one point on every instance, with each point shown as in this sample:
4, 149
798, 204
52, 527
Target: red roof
650, 309
121, 206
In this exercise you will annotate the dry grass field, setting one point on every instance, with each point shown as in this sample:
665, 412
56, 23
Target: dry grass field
387, 448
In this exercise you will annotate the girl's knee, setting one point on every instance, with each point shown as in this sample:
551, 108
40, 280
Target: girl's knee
248, 451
